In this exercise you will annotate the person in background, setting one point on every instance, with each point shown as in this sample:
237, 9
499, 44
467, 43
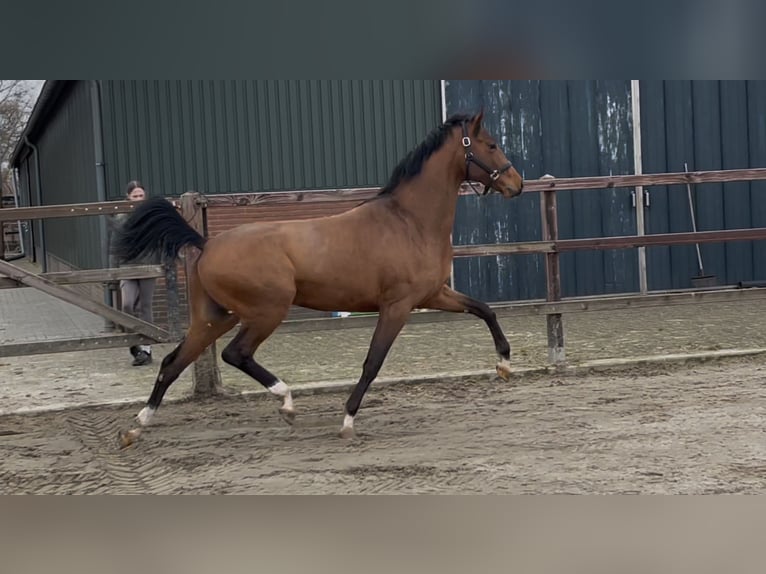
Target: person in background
137, 294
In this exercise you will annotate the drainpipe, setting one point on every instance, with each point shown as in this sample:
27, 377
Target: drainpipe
98, 144
641, 194
17, 202
39, 194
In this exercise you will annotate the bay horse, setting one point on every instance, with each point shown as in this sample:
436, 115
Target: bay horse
391, 255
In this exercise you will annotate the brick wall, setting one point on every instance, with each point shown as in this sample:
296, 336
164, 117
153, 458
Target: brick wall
221, 218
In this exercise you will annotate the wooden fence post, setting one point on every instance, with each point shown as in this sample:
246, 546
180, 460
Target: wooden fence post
174, 305
556, 350
206, 377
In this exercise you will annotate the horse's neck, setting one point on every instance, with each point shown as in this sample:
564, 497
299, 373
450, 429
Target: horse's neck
430, 199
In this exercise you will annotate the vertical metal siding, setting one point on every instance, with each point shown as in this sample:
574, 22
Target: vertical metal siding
735, 154
226, 136
67, 171
584, 128
568, 129
710, 125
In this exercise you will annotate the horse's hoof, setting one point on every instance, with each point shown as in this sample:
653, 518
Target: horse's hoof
128, 438
347, 433
504, 370
288, 415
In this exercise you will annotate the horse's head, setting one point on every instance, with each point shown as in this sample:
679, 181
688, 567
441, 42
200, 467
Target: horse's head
485, 161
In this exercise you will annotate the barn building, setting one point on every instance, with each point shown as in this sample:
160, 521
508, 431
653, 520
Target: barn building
87, 138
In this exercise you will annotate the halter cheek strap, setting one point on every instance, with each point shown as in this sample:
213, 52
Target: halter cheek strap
494, 174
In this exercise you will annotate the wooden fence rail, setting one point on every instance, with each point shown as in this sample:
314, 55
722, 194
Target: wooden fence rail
362, 194
192, 206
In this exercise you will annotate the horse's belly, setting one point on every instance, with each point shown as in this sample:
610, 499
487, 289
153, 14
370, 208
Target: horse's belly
324, 297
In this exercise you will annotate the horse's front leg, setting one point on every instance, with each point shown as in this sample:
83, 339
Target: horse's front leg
391, 320
455, 302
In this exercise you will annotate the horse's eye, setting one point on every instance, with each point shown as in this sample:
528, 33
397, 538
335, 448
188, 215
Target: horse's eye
493, 146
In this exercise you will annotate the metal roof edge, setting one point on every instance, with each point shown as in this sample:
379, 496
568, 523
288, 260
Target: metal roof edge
49, 94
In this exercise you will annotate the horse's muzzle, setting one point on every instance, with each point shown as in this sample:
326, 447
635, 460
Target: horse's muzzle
514, 189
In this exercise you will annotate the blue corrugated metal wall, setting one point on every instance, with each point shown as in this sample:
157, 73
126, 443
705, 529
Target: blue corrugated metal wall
584, 128
709, 125
567, 129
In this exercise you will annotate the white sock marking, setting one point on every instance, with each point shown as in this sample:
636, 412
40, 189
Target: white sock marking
348, 422
145, 416
280, 389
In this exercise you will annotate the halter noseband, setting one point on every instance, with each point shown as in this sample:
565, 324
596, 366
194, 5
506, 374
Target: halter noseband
494, 174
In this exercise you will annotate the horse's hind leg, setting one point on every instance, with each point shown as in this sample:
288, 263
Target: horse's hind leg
453, 301
208, 323
239, 353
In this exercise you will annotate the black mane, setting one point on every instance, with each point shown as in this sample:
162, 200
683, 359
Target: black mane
412, 164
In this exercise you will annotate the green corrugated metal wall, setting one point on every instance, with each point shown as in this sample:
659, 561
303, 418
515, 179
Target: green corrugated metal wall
227, 136
67, 173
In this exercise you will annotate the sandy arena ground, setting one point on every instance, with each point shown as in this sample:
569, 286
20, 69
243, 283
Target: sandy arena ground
663, 429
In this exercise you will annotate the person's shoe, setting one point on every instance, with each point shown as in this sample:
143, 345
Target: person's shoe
134, 350
142, 358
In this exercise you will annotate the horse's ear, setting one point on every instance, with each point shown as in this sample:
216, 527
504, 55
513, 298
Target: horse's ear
476, 122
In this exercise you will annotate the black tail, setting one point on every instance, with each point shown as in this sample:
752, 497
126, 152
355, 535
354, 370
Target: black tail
154, 228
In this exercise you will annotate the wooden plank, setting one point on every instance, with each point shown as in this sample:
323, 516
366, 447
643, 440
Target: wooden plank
362, 194
530, 186
541, 308
632, 241
92, 276
555, 323
291, 197
69, 210
173, 300
72, 345
662, 239
675, 178
46, 286
492, 250
63, 211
